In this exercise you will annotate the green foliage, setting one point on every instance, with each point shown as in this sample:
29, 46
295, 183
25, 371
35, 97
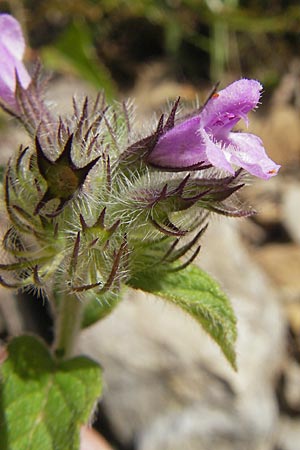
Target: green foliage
75, 50
43, 403
2, 170
233, 33
99, 307
200, 296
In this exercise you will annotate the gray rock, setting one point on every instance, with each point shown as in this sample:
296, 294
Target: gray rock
289, 434
291, 384
11, 320
291, 209
282, 262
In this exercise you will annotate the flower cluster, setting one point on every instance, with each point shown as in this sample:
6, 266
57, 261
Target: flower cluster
90, 201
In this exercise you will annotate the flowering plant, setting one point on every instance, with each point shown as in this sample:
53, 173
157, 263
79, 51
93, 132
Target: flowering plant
95, 206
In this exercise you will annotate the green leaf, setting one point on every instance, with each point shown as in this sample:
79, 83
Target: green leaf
75, 50
200, 296
97, 308
2, 170
43, 402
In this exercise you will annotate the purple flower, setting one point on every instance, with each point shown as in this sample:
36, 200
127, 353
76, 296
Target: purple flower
12, 47
207, 137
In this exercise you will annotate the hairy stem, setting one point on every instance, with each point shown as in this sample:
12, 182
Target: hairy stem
67, 327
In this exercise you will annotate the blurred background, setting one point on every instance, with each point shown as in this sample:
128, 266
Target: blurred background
167, 387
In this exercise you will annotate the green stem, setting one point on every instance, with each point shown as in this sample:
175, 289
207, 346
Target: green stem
67, 326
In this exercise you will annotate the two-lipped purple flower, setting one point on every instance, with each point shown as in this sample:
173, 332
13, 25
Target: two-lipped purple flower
12, 48
207, 136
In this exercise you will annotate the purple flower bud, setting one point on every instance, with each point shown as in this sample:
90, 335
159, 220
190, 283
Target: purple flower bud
12, 47
207, 137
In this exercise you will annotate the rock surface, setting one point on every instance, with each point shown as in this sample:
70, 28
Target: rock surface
282, 263
291, 209
289, 434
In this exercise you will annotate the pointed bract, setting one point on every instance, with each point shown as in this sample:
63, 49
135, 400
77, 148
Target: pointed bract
62, 176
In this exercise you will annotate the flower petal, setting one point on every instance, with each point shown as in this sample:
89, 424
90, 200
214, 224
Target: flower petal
7, 73
215, 153
206, 137
11, 36
247, 151
11, 51
228, 106
180, 147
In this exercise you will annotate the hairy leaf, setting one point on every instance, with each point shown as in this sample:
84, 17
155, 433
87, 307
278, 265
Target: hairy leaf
200, 296
43, 403
97, 308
